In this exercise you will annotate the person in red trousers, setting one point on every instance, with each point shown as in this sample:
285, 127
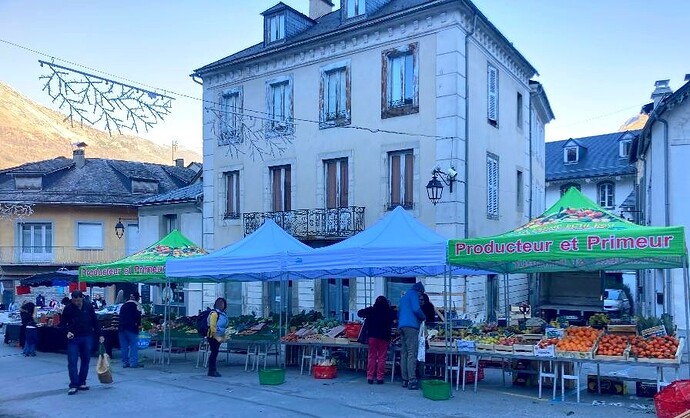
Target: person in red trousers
378, 321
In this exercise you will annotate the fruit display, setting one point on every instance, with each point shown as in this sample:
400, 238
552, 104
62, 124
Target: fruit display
509, 341
546, 342
654, 347
579, 339
612, 345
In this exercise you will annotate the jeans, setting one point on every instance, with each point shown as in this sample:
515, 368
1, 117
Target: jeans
376, 362
214, 345
408, 353
79, 348
129, 350
31, 339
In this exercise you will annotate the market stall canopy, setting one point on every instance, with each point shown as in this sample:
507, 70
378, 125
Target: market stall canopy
260, 256
398, 245
145, 266
53, 278
575, 234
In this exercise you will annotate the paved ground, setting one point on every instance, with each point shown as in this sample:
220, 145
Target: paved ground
37, 387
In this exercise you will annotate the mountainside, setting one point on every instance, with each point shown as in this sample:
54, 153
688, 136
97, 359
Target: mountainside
31, 132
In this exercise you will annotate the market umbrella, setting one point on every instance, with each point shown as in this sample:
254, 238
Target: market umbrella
53, 278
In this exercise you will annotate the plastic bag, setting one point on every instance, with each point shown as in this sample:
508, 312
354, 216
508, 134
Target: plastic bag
103, 371
421, 343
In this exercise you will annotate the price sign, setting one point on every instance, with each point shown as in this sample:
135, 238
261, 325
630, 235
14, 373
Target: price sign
658, 331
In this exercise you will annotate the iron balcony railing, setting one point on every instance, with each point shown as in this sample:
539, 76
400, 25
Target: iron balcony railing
311, 223
58, 255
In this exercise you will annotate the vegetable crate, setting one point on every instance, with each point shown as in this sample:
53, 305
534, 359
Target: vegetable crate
436, 390
324, 372
272, 376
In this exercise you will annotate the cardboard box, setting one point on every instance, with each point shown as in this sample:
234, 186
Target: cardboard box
609, 385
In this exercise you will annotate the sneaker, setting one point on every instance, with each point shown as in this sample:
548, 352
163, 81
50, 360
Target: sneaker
405, 383
379, 382
214, 374
370, 381
414, 385
72, 391
83, 387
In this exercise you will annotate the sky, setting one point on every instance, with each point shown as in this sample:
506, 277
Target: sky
597, 60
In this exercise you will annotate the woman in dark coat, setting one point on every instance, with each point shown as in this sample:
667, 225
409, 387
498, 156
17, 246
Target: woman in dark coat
379, 321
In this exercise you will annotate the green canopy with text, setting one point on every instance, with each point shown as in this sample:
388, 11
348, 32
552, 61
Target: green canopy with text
574, 234
145, 266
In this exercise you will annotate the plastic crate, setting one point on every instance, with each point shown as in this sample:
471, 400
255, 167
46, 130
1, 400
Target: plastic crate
324, 372
436, 390
272, 376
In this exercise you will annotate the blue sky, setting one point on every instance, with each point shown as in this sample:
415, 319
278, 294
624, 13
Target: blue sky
598, 60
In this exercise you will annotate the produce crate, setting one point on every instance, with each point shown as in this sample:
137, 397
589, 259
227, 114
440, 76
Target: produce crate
433, 343
622, 330
623, 357
324, 372
676, 360
352, 330
523, 349
271, 376
576, 354
484, 348
436, 390
503, 349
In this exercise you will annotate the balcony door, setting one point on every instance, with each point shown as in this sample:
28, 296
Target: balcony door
36, 242
281, 188
337, 179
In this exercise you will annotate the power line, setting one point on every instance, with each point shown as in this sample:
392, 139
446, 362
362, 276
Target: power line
266, 115
601, 116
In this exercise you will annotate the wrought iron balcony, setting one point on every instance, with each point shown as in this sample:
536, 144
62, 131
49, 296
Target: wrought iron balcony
311, 223
57, 255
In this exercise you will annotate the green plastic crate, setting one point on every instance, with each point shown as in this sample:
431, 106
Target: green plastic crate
272, 376
436, 390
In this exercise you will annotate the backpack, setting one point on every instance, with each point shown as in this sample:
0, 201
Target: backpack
202, 322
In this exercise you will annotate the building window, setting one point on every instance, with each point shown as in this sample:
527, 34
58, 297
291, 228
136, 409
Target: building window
606, 195
519, 110
335, 294
624, 148
401, 175
571, 154
400, 95
520, 194
396, 288
336, 176
36, 241
491, 186
89, 235
170, 223
230, 125
232, 195
335, 96
279, 103
565, 187
492, 95
281, 188
275, 28
355, 8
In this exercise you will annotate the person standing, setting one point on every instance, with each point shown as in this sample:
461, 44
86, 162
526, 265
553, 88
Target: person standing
79, 319
217, 322
128, 327
28, 316
410, 317
379, 321
40, 300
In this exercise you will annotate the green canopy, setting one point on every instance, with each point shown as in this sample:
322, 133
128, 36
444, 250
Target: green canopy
575, 234
145, 266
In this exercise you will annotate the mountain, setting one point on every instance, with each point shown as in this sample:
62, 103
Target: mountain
32, 132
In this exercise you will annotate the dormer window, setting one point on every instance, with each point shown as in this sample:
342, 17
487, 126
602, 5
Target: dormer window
355, 8
571, 155
275, 28
624, 148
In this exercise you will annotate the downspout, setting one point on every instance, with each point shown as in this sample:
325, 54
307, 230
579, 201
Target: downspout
467, 127
531, 174
667, 214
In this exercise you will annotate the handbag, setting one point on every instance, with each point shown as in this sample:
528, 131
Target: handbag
421, 343
105, 375
363, 337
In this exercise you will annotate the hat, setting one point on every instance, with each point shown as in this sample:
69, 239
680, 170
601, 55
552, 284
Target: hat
77, 294
419, 287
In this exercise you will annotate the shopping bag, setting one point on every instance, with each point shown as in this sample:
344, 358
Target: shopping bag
103, 371
363, 337
421, 343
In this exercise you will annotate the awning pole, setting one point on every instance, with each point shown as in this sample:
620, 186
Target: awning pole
686, 284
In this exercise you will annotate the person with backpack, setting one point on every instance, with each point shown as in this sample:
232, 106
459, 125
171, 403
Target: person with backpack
217, 323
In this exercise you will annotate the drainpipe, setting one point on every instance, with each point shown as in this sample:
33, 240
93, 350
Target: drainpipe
531, 174
667, 213
467, 127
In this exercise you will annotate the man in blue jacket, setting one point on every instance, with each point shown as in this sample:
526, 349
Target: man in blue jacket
410, 317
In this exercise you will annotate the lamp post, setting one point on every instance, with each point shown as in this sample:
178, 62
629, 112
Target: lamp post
434, 189
119, 228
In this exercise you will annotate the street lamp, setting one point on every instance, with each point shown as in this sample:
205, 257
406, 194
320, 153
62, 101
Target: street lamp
119, 228
434, 189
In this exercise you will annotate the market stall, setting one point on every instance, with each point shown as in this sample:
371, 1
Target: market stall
577, 235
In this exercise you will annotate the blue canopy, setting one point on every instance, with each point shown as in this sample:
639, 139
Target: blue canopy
260, 256
396, 246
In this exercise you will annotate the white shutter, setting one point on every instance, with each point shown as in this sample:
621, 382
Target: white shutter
492, 93
491, 186
90, 235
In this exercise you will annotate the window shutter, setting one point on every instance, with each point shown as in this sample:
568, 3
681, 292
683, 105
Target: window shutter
492, 91
492, 187
395, 179
343, 184
331, 185
90, 235
409, 175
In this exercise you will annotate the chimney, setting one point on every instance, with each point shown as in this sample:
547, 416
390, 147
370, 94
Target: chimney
661, 90
78, 154
687, 77
179, 162
318, 8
